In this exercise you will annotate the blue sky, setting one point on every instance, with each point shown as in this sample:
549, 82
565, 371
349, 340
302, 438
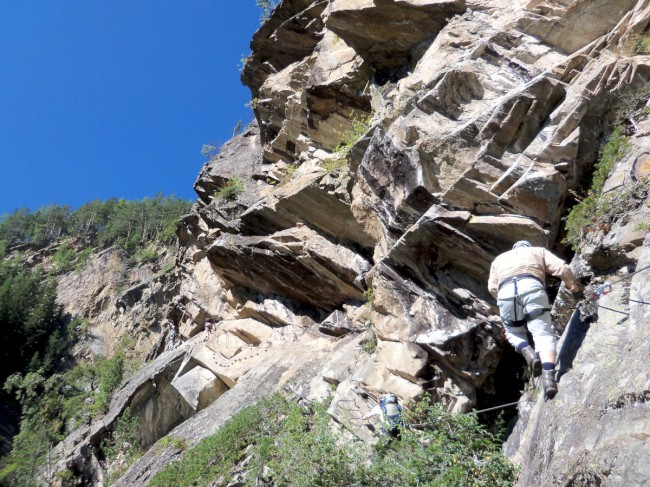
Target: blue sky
116, 97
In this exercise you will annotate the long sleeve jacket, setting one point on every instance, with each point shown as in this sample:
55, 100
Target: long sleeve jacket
536, 261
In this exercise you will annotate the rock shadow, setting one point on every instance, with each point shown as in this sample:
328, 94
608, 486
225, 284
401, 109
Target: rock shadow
575, 332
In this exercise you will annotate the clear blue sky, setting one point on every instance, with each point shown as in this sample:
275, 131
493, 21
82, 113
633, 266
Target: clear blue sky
116, 97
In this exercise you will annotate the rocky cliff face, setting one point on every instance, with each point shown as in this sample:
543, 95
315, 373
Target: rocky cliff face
398, 147
120, 300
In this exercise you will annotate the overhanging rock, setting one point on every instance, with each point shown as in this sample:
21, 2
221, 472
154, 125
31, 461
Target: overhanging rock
298, 263
383, 32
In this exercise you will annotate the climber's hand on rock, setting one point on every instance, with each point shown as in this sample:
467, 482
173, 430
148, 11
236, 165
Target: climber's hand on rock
576, 292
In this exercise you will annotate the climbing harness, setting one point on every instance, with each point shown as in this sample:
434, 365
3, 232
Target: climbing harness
519, 312
518, 277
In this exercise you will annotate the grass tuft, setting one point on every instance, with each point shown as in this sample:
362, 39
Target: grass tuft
230, 191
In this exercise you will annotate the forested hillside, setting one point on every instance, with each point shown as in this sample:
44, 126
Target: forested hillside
41, 375
131, 224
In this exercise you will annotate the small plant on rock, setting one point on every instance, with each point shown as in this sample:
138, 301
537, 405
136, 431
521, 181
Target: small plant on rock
82, 258
360, 125
289, 170
208, 151
64, 258
243, 61
230, 191
252, 104
642, 45
237, 128
173, 442
278, 442
369, 296
145, 255
267, 7
642, 227
369, 344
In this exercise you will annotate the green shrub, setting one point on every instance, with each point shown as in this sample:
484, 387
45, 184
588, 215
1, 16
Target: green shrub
642, 227
442, 449
237, 128
78, 327
307, 451
642, 45
110, 372
585, 215
252, 104
172, 441
243, 61
67, 258
360, 125
64, 257
31, 321
289, 445
52, 407
289, 170
369, 296
298, 446
335, 163
215, 456
208, 151
267, 7
123, 446
370, 344
145, 255
82, 258
230, 191
66, 476
168, 266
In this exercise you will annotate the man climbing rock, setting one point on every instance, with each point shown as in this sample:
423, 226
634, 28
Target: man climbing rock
517, 281
390, 413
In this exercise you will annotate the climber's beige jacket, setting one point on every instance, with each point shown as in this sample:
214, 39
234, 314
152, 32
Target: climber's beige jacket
536, 261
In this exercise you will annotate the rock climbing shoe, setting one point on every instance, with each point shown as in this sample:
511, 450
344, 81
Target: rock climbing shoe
532, 360
549, 384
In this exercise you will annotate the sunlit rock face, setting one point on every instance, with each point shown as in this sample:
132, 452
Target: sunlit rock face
596, 428
398, 147
119, 300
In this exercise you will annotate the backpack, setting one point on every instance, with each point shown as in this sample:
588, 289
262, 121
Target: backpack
392, 410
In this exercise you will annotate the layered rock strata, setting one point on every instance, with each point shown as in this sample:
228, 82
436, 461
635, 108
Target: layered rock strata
475, 123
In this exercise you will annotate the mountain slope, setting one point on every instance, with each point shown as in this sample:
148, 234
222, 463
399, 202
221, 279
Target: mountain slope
399, 146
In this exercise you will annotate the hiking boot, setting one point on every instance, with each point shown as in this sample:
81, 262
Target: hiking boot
532, 360
549, 384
